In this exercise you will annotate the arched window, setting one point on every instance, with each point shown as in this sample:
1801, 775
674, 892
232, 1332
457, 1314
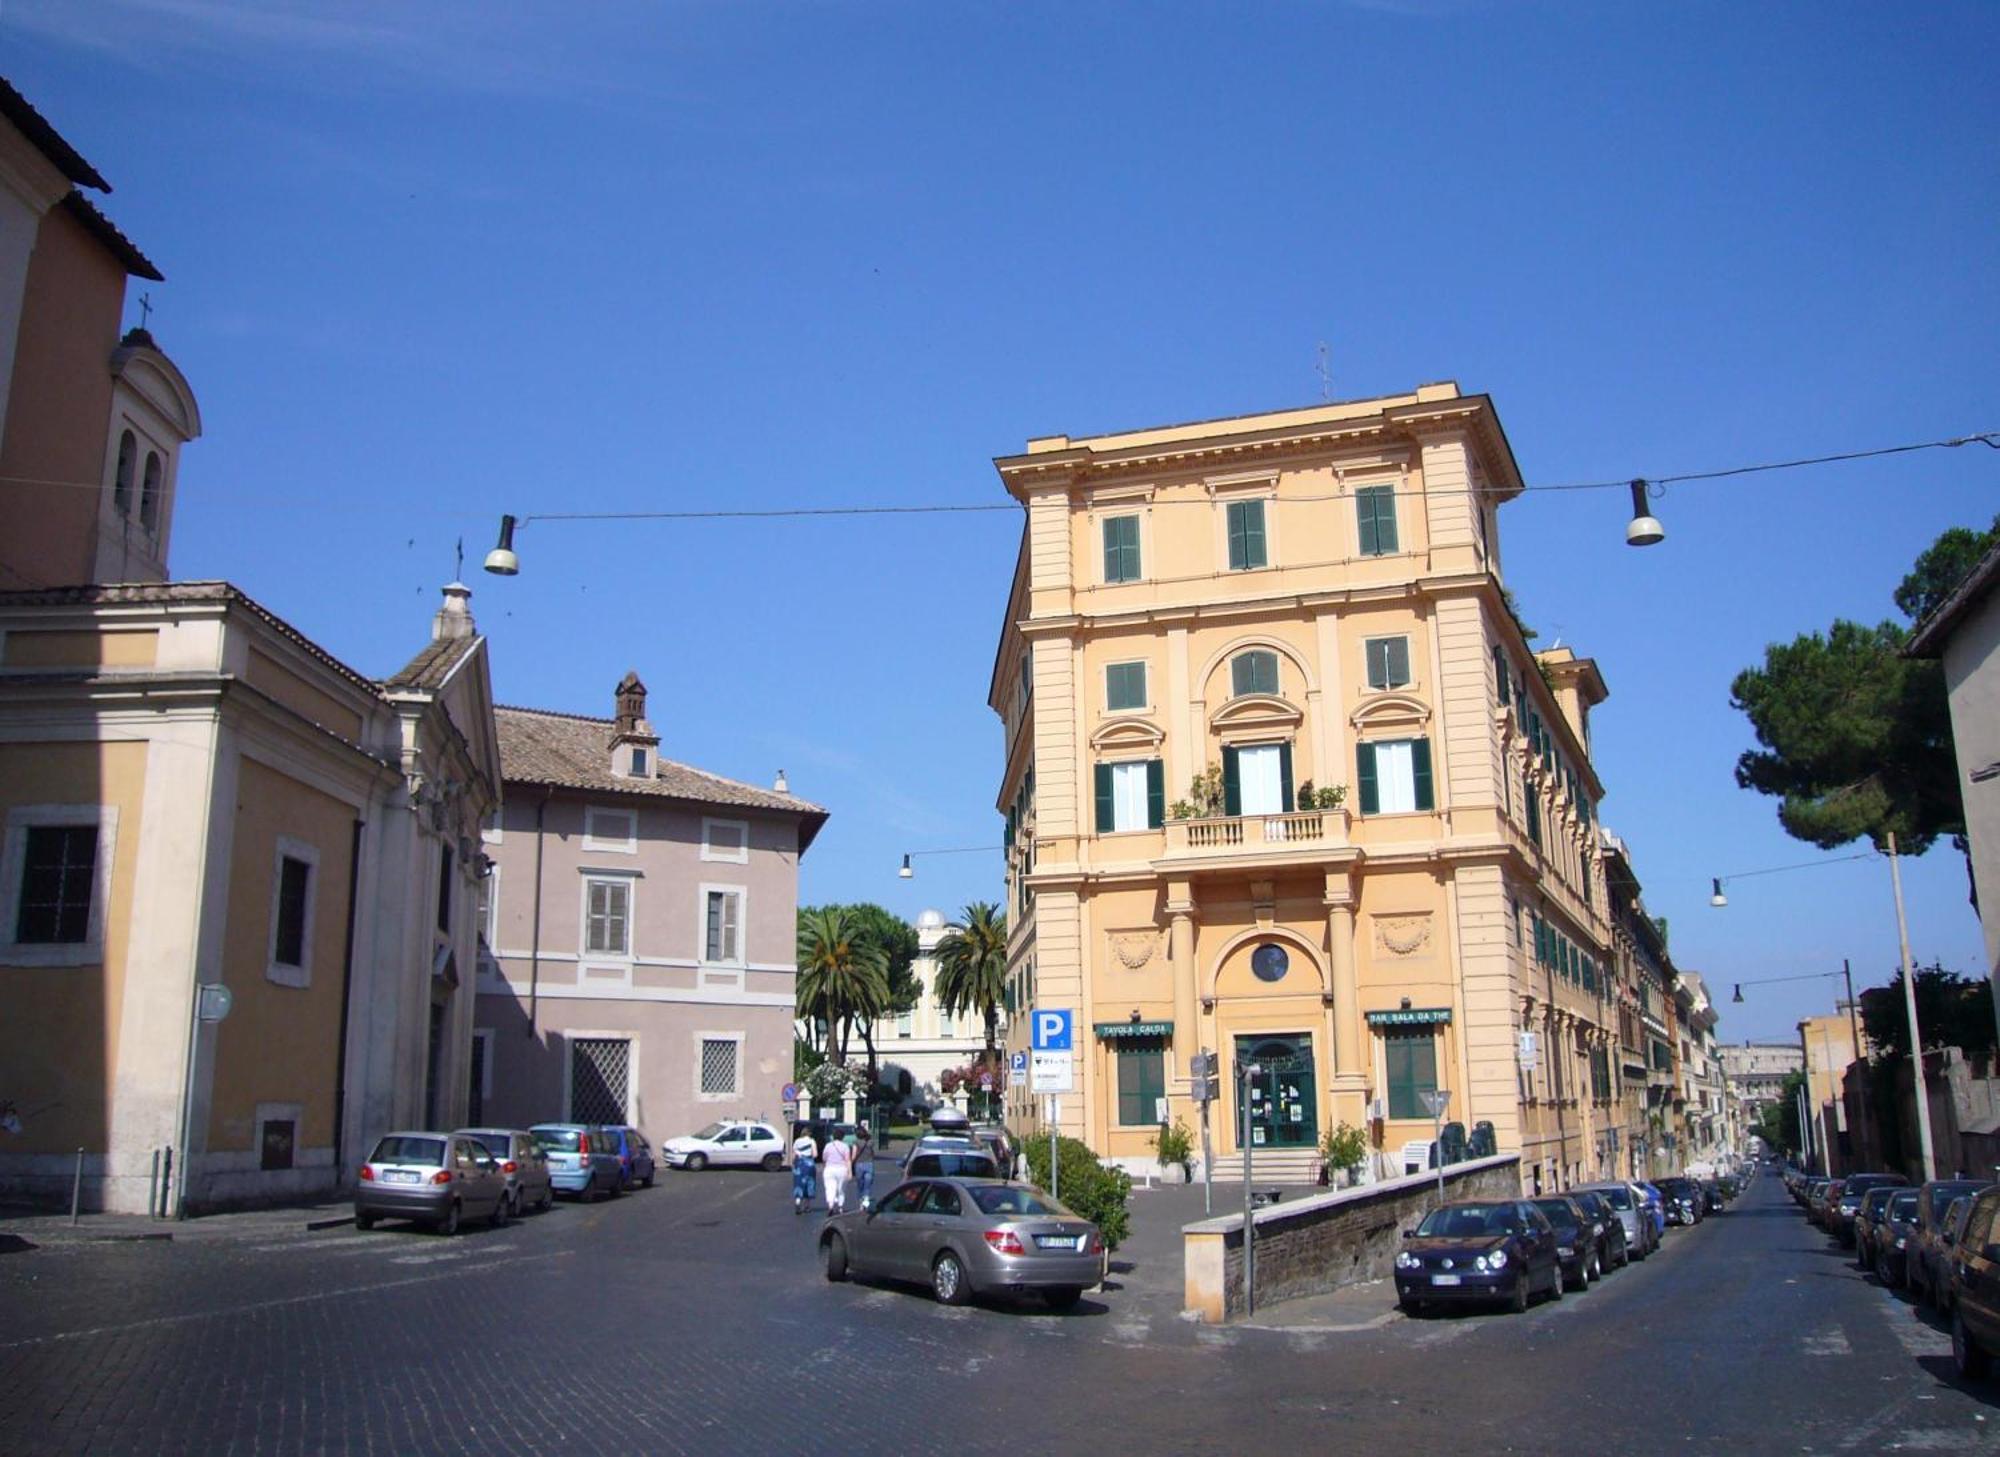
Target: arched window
1253, 672
128, 459
149, 494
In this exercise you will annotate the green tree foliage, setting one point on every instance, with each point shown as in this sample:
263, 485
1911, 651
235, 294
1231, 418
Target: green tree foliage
1952, 1010
896, 940
972, 967
1779, 1122
1086, 1187
1855, 738
842, 978
1948, 561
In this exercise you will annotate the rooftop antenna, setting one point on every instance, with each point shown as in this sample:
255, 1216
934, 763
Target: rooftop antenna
1325, 376
145, 309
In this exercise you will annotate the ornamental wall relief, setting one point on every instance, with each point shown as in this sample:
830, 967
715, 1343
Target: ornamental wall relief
1403, 935
1134, 949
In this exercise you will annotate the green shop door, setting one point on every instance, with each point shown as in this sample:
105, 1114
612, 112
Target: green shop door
1284, 1103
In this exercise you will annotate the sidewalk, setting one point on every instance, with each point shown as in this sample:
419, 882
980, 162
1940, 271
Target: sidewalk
1149, 1270
27, 1227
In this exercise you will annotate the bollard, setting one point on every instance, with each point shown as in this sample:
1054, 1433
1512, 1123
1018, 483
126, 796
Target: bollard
153, 1187
76, 1188
166, 1181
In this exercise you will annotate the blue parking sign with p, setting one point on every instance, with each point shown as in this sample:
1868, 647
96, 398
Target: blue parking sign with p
1019, 1064
1051, 1030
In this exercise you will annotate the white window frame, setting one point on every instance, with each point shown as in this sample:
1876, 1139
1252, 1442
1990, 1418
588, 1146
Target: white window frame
630, 880
1146, 682
1123, 773
711, 852
626, 844
1383, 807
491, 928
701, 1095
722, 971
274, 970
13, 857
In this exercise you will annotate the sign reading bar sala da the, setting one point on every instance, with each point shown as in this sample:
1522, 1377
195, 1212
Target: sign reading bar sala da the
1409, 1016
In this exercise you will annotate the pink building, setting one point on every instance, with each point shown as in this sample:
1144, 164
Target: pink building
640, 926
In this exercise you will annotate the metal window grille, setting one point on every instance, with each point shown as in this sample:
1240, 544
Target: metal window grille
600, 1070
718, 1066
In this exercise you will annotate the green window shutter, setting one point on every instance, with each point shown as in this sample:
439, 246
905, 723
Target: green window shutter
1420, 771
1239, 675
1104, 811
1397, 664
1285, 778
1377, 650
1156, 794
1375, 517
1534, 811
1246, 535
1121, 549
1364, 777
1125, 685
1232, 782
1500, 683
1141, 1083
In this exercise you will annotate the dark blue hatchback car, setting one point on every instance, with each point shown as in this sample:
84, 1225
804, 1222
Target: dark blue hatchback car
635, 1155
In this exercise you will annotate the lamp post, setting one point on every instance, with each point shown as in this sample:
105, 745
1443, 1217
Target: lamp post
908, 871
1910, 1006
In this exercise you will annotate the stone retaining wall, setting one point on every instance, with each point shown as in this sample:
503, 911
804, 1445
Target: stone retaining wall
1328, 1240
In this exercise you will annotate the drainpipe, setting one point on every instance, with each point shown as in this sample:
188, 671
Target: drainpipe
346, 998
535, 932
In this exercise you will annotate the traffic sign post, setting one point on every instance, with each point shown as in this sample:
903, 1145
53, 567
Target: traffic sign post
1202, 1069
1246, 1076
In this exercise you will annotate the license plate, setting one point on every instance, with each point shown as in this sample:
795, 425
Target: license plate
1444, 1280
399, 1176
1060, 1241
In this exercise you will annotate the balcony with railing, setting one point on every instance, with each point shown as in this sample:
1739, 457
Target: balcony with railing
1308, 830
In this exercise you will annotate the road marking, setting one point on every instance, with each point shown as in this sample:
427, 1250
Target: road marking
1827, 1343
432, 1257
1372, 1323
1131, 1332
345, 1292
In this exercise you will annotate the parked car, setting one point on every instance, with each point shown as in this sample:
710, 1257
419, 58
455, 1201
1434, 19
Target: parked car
1629, 1204
1712, 1195
1975, 1289
734, 1142
635, 1155
1895, 1238
439, 1179
967, 1237
1501, 1250
524, 1163
997, 1141
1840, 1210
936, 1157
580, 1160
1683, 1201
1941, 1250
1579, 1240
1929, 1266
1824, 1195
1867, 1215
1656, 1207
1614, 1253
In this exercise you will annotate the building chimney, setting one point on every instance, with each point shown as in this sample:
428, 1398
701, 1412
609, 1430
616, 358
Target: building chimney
633, 742
454, 618
781, 786
630, 709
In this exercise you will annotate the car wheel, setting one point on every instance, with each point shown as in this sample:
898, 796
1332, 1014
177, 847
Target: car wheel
772, 1163
548, 1199
449, 1224
647, 1182
364, 1221
1882, 1271
1063, 1297
1557, 1280
948, 1281
836, 1258
1412, 1307
1966, 1356
697, 1162
1518, 1302
1596, 1265
502, 1208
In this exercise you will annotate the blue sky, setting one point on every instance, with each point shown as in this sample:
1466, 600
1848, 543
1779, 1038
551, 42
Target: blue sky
427, 263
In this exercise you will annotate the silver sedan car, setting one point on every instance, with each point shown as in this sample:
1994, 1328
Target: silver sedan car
966, 1237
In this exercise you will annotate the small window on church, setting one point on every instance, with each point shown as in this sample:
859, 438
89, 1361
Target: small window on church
149, 494
128, 460
638, 762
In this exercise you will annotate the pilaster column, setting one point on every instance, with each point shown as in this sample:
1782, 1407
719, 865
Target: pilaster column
1349, 1060
1180, 950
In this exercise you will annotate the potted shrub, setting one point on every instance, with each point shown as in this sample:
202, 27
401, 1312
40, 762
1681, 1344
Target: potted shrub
1342, 1151
1175, 1146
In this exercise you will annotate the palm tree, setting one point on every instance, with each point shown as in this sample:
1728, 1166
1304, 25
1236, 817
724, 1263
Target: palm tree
842, 973
972, 967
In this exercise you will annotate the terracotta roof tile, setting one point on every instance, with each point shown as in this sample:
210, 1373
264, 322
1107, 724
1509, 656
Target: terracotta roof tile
571, 752
427, 671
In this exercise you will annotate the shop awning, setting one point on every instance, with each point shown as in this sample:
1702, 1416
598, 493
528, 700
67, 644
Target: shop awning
1409, 1017
1127, 1031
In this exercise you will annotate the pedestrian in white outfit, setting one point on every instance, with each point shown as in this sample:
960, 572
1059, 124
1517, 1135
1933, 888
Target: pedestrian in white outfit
838, 1160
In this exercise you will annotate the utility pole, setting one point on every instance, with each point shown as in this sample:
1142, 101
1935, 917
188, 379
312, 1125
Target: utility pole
1910, 1006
